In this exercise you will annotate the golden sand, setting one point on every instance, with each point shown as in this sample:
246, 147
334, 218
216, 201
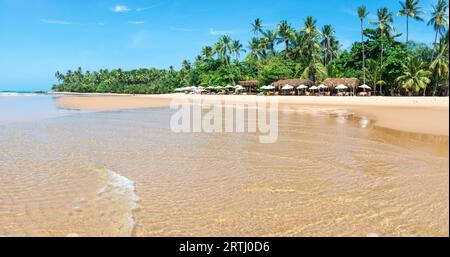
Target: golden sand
428, 115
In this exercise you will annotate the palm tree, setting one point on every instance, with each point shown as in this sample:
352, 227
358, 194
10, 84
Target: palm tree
257, 26
285, 34
207, 52
237, 48
327, 35
271, 37
415, 76
384, 28
362, 14
254, 47
410, 9
439, 19
440, 64
374, 74
311, 50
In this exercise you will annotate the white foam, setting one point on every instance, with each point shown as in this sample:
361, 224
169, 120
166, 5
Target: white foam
124, 190
17, 94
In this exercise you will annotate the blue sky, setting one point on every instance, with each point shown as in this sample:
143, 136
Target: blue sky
39, 37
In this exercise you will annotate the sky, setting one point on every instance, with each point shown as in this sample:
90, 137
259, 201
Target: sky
40, 37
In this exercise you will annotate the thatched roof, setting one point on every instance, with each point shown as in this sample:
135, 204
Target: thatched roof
293, 82
334, 82
249, 83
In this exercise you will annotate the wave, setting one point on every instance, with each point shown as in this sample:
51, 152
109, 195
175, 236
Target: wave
18, 94
120, 189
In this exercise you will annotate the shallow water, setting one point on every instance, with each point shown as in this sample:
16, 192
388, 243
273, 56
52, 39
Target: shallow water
121, 173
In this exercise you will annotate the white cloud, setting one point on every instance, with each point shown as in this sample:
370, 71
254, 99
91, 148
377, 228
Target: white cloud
58, 22
137, 22
120, 8
214, 32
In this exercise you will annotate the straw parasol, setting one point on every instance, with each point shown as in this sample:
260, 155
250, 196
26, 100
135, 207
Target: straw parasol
229, 87
287, 87
249, 84
313, 88
341, 87
365, 87
268, 87
293, 82
302, 87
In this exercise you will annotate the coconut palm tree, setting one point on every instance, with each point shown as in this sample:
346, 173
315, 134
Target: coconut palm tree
440, 64
257, 26
410, 9
327, 37
362, 14
439, 19
384, 28
311, 50
415, 76
254, 46
207, 53
285, 35
374, 74
237, 48
271, 37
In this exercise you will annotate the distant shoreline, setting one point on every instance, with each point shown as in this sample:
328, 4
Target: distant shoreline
425, 115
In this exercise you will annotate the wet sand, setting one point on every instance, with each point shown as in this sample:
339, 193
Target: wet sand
125, 173
428, 115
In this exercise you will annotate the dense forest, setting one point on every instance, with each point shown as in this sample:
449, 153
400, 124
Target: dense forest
379, 60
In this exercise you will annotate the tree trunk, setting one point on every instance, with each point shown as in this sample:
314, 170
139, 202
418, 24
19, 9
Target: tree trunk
407, 28
381, 68
287, 48
363, 51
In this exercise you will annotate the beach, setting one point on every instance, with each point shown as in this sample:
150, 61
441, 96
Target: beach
112, 166
426, 115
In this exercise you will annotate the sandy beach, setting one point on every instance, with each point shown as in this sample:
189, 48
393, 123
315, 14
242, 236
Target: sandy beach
425, 115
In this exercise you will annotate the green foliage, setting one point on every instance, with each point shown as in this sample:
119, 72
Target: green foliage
287, 52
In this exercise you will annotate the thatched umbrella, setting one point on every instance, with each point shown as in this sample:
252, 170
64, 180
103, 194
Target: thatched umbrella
301, 87
293, 82
332, 83
249, 83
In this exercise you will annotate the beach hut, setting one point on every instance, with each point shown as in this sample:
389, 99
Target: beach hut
351, 83
293, 82
250, 84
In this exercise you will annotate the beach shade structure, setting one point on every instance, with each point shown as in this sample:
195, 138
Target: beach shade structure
365, 87
293, 82
287, 87
351, 83
249, 84
301, 87
322, 87
229, 87
239, 88
313, 88
341, 87
269, 87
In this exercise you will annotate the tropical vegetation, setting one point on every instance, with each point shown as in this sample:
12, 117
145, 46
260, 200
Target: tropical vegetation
379, 60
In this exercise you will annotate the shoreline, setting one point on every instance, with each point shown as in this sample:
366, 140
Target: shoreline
424, 115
